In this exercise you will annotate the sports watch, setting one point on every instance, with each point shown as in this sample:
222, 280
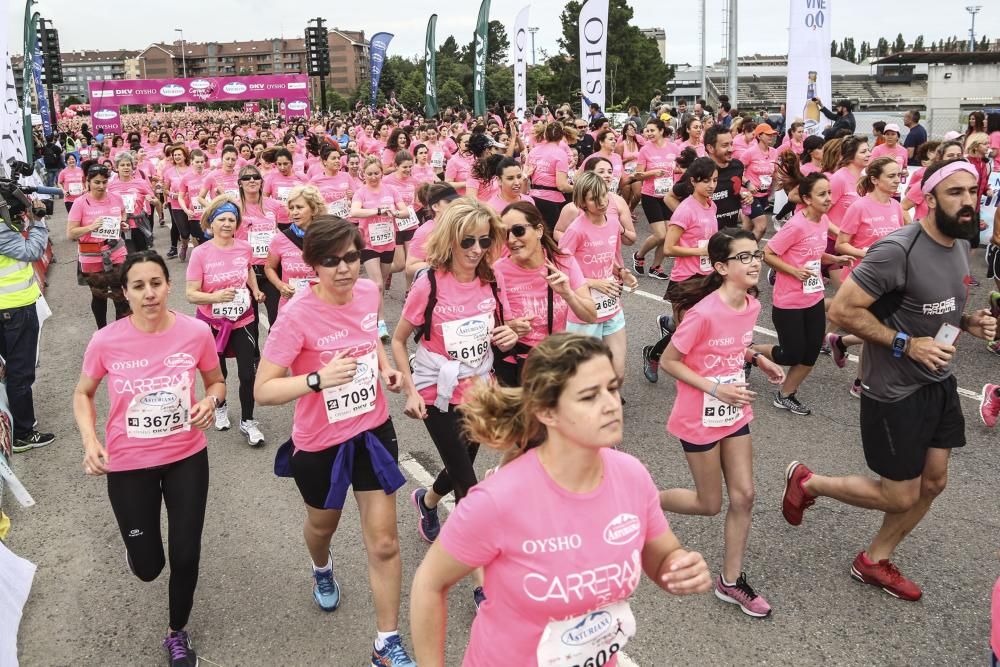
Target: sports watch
312, 381
899, 343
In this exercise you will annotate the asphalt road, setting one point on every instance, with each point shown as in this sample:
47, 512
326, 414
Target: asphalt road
253, 605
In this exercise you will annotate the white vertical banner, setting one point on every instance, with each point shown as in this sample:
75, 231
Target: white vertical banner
808, 63
519, 56
593, 51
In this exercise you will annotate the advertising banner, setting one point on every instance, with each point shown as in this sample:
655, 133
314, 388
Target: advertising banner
482, 45
808, 63
593, 51
519, 56
376, 57
43, 100
430, 71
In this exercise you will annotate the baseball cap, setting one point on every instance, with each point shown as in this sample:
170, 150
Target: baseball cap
952, 135
448, 193
763, 128
891, 127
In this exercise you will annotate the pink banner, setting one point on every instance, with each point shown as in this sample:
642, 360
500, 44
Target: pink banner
107, 96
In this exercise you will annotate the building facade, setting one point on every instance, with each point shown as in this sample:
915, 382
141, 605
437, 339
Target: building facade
660, 36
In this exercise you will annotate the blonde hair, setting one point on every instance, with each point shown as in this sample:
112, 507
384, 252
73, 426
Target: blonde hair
505, 417
370, 160
459, 220
314, 200
214, 205
975, 140
588, 183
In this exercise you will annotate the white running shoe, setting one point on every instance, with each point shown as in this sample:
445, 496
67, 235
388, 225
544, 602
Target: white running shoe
222, 418
250, 429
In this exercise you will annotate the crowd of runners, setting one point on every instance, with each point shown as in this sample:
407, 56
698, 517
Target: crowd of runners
509, 236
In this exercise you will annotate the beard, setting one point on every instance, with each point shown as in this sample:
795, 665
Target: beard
952, 227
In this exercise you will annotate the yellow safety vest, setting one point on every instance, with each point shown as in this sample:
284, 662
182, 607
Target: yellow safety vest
18, 286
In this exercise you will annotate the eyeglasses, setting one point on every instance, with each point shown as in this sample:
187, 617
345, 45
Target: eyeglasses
469, 241
747, 257
251, 177
518, 230
332, 261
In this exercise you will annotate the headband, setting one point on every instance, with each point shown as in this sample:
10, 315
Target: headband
228, 207
928, 184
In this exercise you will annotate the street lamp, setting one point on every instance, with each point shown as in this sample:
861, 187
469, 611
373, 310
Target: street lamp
533, 31
183, 49
973, 10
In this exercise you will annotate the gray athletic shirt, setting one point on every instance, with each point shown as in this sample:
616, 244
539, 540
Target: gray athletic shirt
935, 292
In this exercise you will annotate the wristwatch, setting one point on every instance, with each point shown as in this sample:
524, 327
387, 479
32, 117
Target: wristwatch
312, 381
899, 343
753, 359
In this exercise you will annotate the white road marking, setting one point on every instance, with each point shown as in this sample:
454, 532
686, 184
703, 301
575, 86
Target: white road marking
424, 478
972, 395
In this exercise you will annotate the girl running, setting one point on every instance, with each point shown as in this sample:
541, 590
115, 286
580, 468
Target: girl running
549, 165
656, 163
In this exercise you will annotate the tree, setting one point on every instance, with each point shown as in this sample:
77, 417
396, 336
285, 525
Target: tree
833, 49
335, 101
882, 49
498, 46
864, 52
984, 44
451, 93
899, 45
918, 43
850, 51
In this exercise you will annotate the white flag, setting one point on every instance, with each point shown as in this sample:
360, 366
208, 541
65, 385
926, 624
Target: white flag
593, 51
808, 63
519, 56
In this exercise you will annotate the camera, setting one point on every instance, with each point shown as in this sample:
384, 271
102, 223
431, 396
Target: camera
14, 197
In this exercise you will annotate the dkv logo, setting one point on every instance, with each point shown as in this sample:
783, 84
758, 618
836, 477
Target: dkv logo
172, 90
234, 88
105, 114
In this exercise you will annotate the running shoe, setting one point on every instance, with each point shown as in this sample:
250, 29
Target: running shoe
180, 649
742, 594
429, 525
657, 272
172, 252
222, 418
638, 263
383, 331
251, 429
667, 325
825, 349
650, 366
995, 304
478, 596
771, 277
33, 440
856, 388
973, 282
989, 404
326, 590
387, 283
790, 403
182, 253
796, 500
886, 576
993, 346
392, 654
838, 353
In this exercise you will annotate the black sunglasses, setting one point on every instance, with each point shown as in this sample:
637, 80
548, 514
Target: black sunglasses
518, 230
99, 170
332, 261
469, 241
251, 177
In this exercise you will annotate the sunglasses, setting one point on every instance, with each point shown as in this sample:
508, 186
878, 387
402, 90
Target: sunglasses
251, 178
469, 241
518, 230
99, 170
332, 261
747, 257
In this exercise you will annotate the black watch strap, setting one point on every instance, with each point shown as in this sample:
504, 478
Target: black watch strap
312, 381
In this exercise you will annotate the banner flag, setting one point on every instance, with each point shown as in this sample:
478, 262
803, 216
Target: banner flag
482, 45
519, 56
376, 56
430, 70
593, 52
808, 63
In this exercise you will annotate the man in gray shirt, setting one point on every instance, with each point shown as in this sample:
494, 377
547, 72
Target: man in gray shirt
906, 300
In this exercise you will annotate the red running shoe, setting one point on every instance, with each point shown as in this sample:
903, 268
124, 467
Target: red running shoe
886, 576
796, 499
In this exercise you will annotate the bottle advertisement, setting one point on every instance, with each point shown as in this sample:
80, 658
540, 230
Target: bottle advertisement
809, 64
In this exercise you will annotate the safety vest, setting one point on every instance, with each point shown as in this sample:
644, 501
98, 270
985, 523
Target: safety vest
17, 283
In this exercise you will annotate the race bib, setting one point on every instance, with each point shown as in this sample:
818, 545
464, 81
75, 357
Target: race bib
813, 283
380, 234
589, 640
631, 168
661, 186
75, 189
283, 193
357, 397
233, 194
300, 283
233, 310
196, 206
615, 182
468, 340
716, 413
339, 208
606, 305
765, 182
129, 201
704, 261
408, 223
159, 413
260, 242
109, 230
437, 160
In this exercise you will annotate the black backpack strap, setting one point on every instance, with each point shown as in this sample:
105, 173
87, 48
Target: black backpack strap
496, 297
431, 304
293, 237
551, 298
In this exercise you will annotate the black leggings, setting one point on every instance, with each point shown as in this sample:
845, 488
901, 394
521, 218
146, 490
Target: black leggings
183, 228
135, 498
272, 297
550, 211
243, 344
800, 334
457, 453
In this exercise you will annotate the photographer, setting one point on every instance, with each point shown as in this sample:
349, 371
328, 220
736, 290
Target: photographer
19, 324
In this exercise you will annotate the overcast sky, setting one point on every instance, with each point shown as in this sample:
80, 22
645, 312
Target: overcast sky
131, 24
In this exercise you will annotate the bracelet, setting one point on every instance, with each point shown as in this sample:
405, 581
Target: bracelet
714, 389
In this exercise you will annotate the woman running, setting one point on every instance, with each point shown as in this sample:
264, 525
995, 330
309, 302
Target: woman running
437, 197
96, 222
628, 150
872, 217
454, 309
692, 225
656, 163
136, 194
403, 182
618, 210
797, 253
510, 178
221, 281
549, 165
333, 183
853, 158
604, 145
342, 434
259, 224
422, 170
482, 182
151, 454
596, 505
594, 239
71, 180
191, 186
173, 173
284, 254
538, 283
711, 415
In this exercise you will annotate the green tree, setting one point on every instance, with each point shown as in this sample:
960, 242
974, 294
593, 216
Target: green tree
882, 49
918, 43
865, 51
899, 45
984, 44
335, 101
451, 93
834, 49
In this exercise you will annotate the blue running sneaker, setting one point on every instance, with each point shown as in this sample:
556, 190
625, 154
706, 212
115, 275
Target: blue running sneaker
479, 597
650, 366
326, 591
429, 525
392, 654
667, 325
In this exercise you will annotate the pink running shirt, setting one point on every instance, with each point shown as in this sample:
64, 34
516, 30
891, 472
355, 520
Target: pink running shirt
699, 224
221, 268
